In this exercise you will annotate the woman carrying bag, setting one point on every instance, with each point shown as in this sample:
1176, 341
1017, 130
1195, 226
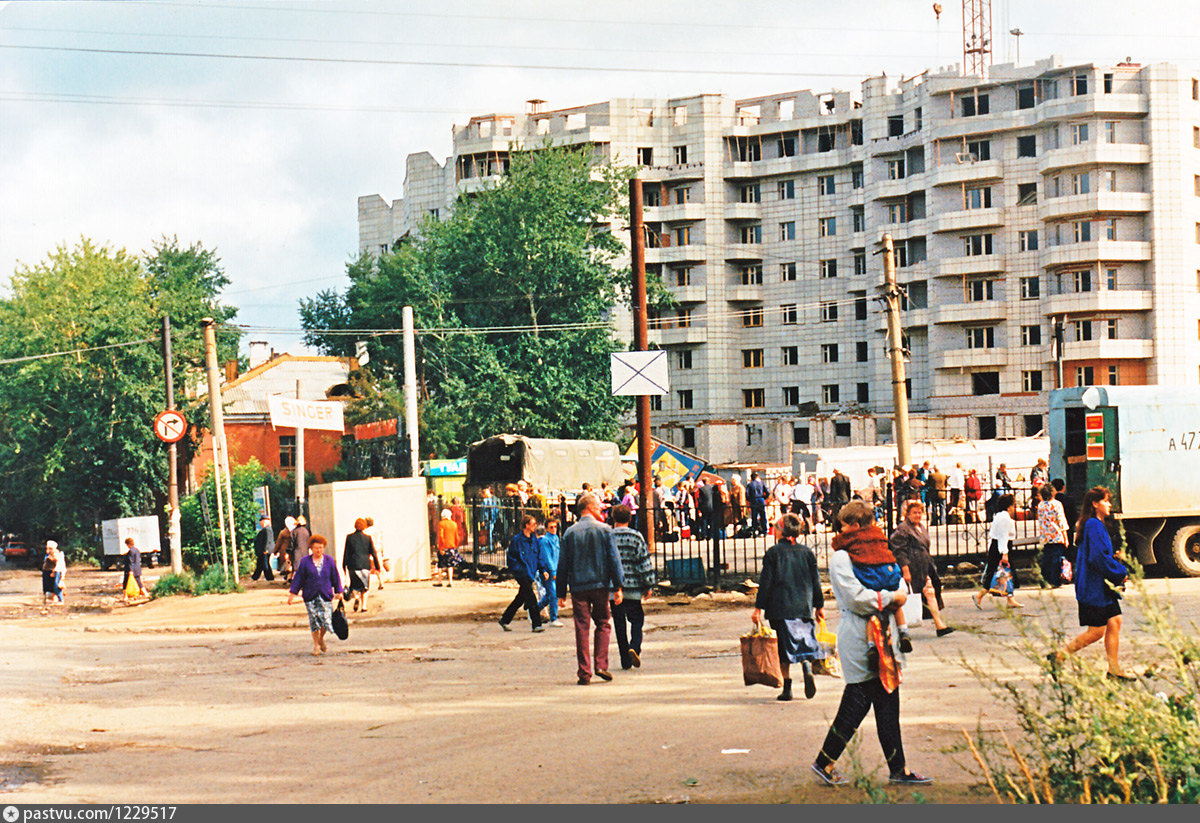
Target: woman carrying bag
317, 577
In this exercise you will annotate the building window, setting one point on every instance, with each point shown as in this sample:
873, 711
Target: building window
683, 359
841, 429
895, 168
918, 119
861, 351
863, 392
751, 275
829, 352
895, 124
1079, 83
1080, 183
987, 427
985, 382
787, 272
1081, 281
1110, 131
1108, 83
1110, 229
1025, 96
896, 213
977, 244
1110, 279
1108, 180
1113, 376
860, 307
790, 314
826, 184
973, 105
752, 318
1031, 335
683, 319
1082, 330
829, 394
1079, 133
1083, 231
1031, 287
980, 149
1031, 381
978, 290
828, 268
787, 189
856, 177
791, 395
752, 358
655, 402
1027, 145
1084, 376
787, 231
685, 398
791, 355
978, 198
645, 156
751, 193
680, 155
682, 194
1029, 240
1026, 194
689, 437
683, 276
1110, 328
827, 227
829, 312
287, 451
754, 398
800, 435
751, 234
683, 236
858, 218
860, 262
981, 337
787, 146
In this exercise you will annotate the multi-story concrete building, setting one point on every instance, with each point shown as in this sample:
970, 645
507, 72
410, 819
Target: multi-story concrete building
1037, 196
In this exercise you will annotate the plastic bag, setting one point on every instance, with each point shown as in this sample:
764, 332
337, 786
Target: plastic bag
132, 589
760, 658
1066, 571
912, 607
829, 664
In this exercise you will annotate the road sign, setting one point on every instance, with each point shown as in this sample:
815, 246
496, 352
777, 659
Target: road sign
639, 372
170, 426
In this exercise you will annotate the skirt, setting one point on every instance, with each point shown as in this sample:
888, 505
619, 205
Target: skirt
797, 640
1097, 616
320, 614
48, 586
449, 558
359, 579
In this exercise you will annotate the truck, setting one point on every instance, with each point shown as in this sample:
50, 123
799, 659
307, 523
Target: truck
143, 530
543, 463
1142, 443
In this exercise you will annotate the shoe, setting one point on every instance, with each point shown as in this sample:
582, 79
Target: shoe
583, 681
539, 628
786, 694
945, 631
505, 626
905, 643
635, 659
355, 608
978, 602
1122, 676
830, 776
604, 674
448, 586
910, 779
437, 585
810, 685
1013, 604
558, 624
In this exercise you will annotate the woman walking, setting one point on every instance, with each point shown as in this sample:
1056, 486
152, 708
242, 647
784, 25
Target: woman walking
1095, 568
316, 579
910, 543
1052, 529
789, 591
54, 566
997, 574
357, 555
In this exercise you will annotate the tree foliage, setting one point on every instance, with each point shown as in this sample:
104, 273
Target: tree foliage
521, 259
76, 445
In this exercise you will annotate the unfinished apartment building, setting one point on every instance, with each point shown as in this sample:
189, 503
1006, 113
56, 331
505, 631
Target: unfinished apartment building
1040, 197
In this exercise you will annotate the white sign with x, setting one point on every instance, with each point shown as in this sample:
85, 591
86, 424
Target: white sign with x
639, 372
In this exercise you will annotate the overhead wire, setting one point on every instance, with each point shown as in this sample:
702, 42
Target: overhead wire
88, 350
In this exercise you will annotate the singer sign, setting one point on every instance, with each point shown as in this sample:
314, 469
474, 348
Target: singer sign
305, 414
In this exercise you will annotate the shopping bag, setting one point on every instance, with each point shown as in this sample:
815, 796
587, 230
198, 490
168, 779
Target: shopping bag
1066, 570
131, 587
760, 658
912, 607
829, 664
880, 657
338, 620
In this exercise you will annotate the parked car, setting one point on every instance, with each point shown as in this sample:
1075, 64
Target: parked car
15, 551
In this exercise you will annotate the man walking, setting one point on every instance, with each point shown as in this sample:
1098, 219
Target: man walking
956, 482
839, 494
589, 568
262, 540
937, 499
523, 559
639, 577
756, 494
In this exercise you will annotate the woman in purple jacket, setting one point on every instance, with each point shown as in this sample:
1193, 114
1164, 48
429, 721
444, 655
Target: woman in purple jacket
317, 576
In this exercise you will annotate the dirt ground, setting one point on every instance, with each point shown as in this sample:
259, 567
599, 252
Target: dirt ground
218, 699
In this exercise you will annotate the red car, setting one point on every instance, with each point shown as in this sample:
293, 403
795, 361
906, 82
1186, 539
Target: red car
15, 550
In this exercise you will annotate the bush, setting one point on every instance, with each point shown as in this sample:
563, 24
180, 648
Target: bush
172, 584
214, 580
1085, 738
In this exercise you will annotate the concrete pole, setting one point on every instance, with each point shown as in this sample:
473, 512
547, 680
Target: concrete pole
410, 390
173, 532
218, 426
891, 295
641, 339
299, 461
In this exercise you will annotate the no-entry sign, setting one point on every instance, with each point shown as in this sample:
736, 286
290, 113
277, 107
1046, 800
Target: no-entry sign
170, 426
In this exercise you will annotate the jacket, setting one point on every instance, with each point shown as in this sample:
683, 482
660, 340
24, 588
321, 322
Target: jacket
1095, 565
856, 603
358, 551
589, 559
789, 586
311, 583
756, 492
523, 555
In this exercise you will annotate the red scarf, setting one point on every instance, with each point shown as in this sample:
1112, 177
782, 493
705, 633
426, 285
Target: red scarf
866, 545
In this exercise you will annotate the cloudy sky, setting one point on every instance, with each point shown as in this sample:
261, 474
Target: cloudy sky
253, 127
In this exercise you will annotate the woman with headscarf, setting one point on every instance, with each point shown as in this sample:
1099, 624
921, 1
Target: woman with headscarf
283, 548
910, 544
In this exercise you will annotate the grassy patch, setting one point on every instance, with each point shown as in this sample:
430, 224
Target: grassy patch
214, 580
172, 584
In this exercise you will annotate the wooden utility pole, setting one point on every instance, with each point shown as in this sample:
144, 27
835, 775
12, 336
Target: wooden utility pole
220, 447
299, 459
641, 338
410, 390
891, 294
173, 535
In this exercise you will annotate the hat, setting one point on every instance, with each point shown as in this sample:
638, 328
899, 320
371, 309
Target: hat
50, 544
289, 521
445, 514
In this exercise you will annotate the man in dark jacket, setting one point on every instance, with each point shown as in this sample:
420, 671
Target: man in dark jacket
839, 495
264, 539
524, 551
756, 496
589, 567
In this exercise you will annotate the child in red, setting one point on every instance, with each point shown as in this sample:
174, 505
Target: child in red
874, 564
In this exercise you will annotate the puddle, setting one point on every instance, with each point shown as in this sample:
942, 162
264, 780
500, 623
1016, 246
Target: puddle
15, 775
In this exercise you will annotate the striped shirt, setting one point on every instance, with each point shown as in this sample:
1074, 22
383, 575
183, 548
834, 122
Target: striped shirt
635, 562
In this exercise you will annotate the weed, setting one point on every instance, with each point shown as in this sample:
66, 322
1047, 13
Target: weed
172, 584
215, 580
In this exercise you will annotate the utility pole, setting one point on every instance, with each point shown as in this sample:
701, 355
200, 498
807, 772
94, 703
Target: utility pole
218, 428
173, 535
1059, 339
410, 389
299, 461
891, 294
641, 337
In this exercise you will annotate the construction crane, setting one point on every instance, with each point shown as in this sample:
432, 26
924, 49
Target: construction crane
977, 36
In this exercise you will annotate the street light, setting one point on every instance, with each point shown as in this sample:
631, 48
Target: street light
1017, 34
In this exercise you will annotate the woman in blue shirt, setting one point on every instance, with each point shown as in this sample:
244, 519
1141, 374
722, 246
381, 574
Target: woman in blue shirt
1096, 567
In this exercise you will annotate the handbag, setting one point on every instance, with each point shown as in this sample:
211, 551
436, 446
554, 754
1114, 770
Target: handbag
912, 607
340, 627
880, 658
760, 658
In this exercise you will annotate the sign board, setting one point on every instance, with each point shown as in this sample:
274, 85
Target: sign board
445, 468
639, 372
262, 499
379, 428
143, 530
305, 414
1094, 431
670, 463
170, 426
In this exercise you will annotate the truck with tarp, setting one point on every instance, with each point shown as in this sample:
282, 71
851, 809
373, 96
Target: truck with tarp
543, 463
1142, 443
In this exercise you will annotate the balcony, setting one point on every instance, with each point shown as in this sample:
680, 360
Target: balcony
738, 293
1087, 105
688, 294
676, 212
1128, 349
676, 254
679, 171
1093, 153
743, 251
743, 211
978, 311
952, 174
969, 358
975, 264
968, 219
1098, 302
1114, 251
892, 189
677, 336
1114, 202
742, 169
474, 185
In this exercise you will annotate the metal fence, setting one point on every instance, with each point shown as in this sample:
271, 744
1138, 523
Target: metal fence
692, 551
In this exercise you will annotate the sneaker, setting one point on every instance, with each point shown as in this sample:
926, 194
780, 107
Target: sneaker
583, 681
506, 627
539, 628
905, 643
945, 631
635, 659
830, 776
604, 674
558, 624
910, 779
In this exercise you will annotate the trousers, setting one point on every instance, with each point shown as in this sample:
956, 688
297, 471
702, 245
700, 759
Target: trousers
591, 607
857, 700
550, 599
525, 597
628, 619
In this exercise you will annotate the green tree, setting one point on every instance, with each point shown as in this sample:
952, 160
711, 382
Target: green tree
521, 260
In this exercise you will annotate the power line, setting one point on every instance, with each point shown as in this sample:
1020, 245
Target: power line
57, 97
31, 357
